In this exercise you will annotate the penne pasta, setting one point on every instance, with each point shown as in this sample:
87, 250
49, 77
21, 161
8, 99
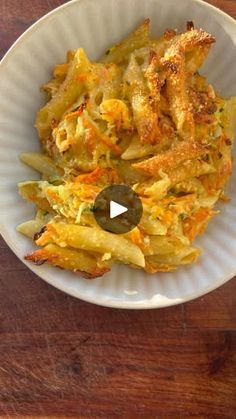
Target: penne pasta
153, 227
142, 117
178, 257
145, 118
67, 93
42, 164
121, 52
135, 152
92, 239
190, 169
30, 228
175, 64
162, 245
65, 258
31, 192
177, 154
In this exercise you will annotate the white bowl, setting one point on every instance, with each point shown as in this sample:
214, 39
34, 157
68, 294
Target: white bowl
95, 25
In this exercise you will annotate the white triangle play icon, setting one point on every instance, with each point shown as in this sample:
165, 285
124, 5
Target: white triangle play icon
116, 209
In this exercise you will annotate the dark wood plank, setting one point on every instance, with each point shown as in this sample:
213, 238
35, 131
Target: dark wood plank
115, 375
61, 357
214, 311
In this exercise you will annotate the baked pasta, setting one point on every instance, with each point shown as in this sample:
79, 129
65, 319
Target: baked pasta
143, 116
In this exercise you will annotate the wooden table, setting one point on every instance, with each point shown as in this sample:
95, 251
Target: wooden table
61, 357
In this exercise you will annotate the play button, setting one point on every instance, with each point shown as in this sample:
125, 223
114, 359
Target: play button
118, 209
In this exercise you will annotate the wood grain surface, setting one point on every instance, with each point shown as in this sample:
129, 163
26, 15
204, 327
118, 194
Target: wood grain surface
61, 357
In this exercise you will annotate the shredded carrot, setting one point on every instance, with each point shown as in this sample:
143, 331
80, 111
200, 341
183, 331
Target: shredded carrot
54, 195
76, 113
91, 177
168, 218
99, 174
114, 147
95, 135
89, 192
137, 237
81, 77
197, 223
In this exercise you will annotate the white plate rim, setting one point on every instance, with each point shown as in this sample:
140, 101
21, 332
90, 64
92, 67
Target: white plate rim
107, 302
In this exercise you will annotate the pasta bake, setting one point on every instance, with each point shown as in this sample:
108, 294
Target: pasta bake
142, 116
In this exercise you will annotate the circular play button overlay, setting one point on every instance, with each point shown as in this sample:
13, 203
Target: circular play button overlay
118, 209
